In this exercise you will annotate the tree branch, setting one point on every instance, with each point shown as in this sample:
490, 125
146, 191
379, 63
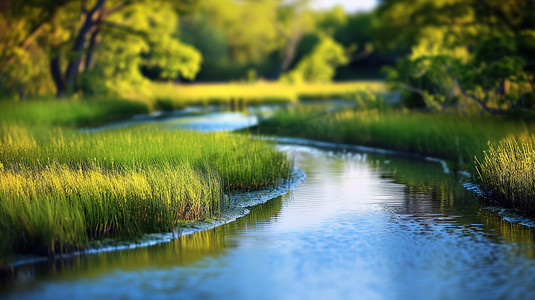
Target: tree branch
360, 55
79, 43
126, 29
493, 111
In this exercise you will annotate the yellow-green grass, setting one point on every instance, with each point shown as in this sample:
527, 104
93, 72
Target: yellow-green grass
171, 96
506, 173
60, 208
241, 161
59, 188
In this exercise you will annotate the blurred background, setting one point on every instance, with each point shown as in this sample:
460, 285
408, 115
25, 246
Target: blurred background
470, 55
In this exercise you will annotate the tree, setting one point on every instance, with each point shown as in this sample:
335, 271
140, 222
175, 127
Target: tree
479, 50
320, 64
141, 36
73, 32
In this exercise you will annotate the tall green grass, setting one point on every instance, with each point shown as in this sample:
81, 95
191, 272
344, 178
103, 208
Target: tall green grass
507, 173
59, 208
241, 161
60, 189
453, 137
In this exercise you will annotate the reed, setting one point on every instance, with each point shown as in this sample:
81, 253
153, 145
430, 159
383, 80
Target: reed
506, 173
60, 208
453, 137
241, 161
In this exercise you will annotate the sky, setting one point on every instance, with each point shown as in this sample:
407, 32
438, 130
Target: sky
349, 5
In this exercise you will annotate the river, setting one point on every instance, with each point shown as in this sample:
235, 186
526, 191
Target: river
363, 225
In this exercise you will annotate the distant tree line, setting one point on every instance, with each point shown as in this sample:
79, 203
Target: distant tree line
107, 46
440, 54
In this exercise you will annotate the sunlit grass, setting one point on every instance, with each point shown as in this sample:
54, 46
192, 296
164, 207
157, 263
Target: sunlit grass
241, 161
59, 189
172, 96
507, 173
59, 208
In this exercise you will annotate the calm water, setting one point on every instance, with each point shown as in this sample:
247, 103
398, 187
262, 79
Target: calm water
366, 226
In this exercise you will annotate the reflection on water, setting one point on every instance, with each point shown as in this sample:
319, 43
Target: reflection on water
361, 226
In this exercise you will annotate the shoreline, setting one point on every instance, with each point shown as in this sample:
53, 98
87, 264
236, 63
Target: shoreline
241, 208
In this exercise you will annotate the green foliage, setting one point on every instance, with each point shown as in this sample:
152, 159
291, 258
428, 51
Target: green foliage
424, 81
47, 43
332, 20
111, 47
150, 44
249, 27
320, 65
356, 30
23, 72
462, 52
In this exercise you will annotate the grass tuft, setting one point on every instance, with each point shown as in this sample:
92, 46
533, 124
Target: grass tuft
507, 173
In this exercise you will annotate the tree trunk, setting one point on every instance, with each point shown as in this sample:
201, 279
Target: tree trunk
79, 43
504, 87
289, 55
92, 46
55, 71
5, 5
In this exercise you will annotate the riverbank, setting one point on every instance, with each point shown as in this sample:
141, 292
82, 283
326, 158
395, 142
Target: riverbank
457, 139
62, 189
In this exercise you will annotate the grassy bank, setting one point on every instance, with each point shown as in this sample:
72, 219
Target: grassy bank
171, 96
60, 189
455, 138
506, 172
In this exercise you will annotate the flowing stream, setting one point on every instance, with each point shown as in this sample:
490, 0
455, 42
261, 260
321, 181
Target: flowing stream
362, 225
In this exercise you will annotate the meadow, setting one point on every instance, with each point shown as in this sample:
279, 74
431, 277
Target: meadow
170, 96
